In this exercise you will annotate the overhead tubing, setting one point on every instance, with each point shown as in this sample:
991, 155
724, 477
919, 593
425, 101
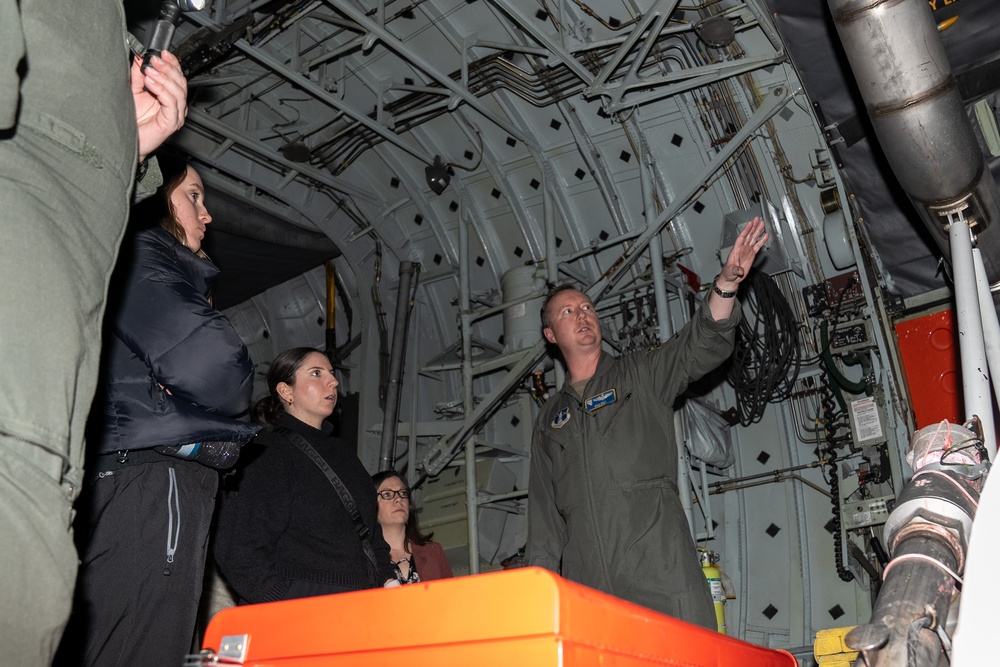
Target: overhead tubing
295, 78
541, 87
917, 111
390, 418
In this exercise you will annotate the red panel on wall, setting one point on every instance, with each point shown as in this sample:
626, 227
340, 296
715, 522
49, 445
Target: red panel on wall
929, 350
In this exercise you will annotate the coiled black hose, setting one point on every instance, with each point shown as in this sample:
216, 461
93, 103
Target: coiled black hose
830, 427
767, 357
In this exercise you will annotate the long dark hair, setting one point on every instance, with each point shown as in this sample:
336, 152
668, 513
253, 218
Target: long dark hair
413, 534
270, 408
157, 209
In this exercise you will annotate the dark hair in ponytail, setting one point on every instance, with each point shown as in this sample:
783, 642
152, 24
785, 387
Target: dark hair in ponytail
270, 408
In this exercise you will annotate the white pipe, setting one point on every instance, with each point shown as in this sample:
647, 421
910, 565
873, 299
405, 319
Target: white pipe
468, 401
411, 459
681, 436
551, 256
975, 372
655, 253
991, 334
975, 637
706, 503
684, 474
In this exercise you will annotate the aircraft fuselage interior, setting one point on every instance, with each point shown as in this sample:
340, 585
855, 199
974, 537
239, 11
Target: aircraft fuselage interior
401, 182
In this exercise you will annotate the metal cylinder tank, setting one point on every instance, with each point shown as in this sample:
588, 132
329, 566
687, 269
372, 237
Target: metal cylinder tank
522, 326
904, 76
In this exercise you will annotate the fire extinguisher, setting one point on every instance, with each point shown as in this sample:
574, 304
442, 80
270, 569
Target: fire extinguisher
709, 561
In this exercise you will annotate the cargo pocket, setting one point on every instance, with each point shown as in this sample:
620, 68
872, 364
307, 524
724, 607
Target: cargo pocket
63, 135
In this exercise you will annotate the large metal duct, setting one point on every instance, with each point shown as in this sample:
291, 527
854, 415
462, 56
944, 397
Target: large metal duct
928, 536
917, 111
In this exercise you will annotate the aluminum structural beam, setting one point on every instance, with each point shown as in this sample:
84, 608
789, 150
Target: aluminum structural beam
530, 27
414, 58
770, 105
447, 447
296, 79
653, 27
208, 123
468, 399
652, 22
679, 82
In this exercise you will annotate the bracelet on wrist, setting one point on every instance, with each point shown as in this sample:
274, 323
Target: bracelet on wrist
724, 295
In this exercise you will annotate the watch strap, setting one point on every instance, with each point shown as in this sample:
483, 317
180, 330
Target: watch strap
724, 295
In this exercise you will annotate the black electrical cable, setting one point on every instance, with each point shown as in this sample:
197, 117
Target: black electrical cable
830, 426
767, 358
913, 639
880, 555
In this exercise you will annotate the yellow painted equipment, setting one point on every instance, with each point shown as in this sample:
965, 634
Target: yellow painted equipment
830, 650
709, 566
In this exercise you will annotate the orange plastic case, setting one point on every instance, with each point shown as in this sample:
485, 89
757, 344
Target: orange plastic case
523, 617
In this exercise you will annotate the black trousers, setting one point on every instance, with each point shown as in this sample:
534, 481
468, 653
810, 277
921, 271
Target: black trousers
143, 561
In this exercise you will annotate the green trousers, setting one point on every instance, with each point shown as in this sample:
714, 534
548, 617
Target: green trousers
66, 171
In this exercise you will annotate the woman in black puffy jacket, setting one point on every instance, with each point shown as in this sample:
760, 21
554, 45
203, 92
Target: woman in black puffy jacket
177, 381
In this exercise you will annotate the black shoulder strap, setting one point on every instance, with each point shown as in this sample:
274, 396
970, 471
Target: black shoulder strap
345, 496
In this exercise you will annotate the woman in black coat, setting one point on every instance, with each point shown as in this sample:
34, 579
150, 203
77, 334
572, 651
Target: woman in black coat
284, 531
176, 378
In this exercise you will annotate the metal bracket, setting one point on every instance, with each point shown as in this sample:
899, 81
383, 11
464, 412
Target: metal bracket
234, 647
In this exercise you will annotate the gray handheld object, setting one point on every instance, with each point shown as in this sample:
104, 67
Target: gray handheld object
166, 23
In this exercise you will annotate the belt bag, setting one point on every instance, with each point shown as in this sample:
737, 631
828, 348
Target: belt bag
218, 454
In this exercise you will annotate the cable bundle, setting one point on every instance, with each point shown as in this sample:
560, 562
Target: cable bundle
767, 357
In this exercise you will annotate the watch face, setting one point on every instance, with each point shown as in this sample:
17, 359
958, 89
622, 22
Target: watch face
724, 295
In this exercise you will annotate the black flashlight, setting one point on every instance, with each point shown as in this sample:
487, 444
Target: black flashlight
166, 22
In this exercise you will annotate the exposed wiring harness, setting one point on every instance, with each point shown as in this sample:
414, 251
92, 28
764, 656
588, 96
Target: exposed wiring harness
767, 358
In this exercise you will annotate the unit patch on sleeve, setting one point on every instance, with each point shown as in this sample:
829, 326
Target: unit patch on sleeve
600, 400
560, 419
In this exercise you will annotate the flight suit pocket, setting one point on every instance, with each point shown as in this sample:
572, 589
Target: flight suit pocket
616, 411
62, 134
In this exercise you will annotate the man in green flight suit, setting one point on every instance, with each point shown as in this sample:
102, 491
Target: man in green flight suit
603, 504
76, 121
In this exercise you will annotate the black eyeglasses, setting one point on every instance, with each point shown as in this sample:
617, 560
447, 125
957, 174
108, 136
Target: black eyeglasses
389, 494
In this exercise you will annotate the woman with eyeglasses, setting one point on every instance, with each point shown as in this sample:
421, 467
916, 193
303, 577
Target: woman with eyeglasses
286, 528
415, 557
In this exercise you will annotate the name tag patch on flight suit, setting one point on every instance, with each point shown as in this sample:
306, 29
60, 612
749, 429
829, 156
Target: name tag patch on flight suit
600, 400
560, 418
